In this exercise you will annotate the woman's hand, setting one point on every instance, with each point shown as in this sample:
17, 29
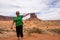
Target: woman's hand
11, 27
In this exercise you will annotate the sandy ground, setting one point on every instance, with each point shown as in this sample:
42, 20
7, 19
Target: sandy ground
34, 36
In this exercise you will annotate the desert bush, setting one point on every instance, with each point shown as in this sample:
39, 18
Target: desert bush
36, 30
2, 30
54, 30
33, 30
13, 30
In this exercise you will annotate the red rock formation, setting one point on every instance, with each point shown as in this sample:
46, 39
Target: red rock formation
33, 21
33, 17
5, 18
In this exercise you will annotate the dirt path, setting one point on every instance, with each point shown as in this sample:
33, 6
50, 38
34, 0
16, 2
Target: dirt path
35, 37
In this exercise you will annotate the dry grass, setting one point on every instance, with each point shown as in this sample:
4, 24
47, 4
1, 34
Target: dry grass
5, 23
40, 33
5, 26
57, 31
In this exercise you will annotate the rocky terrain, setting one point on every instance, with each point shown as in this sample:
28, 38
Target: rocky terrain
34, 29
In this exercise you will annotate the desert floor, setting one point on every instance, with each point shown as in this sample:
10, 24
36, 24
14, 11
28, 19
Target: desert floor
34, 36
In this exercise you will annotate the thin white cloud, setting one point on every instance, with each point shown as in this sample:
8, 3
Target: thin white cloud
49, 9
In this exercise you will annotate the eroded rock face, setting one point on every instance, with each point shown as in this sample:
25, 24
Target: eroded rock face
32, 15
33, 21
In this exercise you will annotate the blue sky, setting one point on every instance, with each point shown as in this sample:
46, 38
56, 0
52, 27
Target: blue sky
44, 9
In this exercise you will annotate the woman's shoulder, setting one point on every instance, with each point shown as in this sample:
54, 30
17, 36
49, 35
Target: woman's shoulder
21, 15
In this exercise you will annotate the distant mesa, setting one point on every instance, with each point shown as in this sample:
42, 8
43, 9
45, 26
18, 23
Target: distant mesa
5, 18
32, 17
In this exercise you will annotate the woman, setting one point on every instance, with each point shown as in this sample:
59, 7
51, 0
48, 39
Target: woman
19, 24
